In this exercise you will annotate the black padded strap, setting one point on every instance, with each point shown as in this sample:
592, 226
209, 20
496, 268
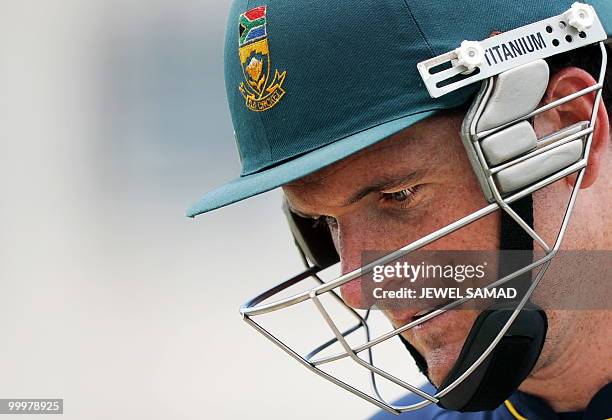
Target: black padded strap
515, 355
505, 368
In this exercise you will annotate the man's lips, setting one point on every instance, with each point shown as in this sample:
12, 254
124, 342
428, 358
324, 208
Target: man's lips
405, 316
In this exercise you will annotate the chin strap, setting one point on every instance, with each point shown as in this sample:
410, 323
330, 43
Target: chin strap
516, 354
519, 243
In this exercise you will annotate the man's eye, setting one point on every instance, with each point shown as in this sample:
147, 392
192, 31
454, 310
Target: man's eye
403, 196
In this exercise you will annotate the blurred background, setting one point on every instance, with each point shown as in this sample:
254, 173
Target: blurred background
112, 122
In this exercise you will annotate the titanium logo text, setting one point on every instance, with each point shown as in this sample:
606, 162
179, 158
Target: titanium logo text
516, 48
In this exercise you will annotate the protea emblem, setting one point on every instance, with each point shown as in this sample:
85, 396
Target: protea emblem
254, 70
259, 90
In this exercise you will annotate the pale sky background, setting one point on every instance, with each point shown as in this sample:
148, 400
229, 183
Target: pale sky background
112, 121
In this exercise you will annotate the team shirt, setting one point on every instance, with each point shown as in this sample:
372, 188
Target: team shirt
519, 406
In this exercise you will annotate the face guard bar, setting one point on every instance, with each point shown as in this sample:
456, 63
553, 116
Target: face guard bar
498, 199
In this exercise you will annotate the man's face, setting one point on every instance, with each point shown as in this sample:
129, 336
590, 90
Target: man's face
392, 194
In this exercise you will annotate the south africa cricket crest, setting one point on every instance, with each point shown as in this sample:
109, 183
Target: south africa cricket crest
259, 90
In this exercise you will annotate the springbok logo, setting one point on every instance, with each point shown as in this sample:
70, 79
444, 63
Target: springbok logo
258, 90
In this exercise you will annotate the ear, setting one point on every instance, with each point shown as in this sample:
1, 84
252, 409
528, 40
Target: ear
565, 82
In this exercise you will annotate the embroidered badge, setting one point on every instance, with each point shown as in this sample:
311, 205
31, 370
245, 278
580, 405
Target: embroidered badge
260, 92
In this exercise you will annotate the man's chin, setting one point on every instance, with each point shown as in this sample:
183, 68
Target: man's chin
440, 362
440, 342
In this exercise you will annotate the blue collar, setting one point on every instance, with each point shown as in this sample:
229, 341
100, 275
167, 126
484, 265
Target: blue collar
531, 408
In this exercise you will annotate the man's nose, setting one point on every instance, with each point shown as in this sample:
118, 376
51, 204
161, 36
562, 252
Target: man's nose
353, 241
